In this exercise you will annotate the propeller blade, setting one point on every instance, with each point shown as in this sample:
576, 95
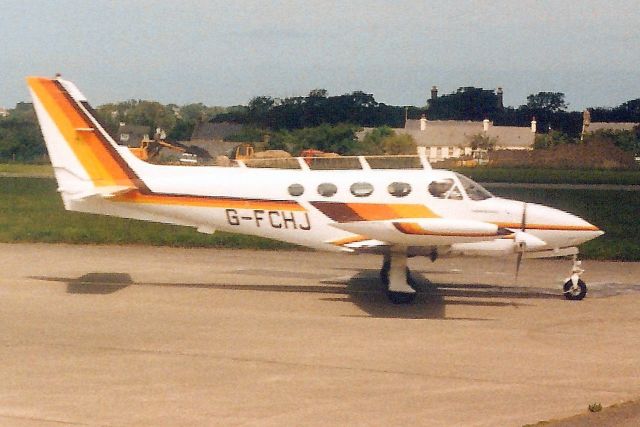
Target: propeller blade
518, 262
522, 246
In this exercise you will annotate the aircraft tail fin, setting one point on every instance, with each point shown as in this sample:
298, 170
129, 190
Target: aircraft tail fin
85, 158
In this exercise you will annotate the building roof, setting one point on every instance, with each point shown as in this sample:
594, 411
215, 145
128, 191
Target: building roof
454, 133
215, 148
596, 126
215, 131
131, 135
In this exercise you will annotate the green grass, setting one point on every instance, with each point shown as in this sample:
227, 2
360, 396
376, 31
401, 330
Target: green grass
552, 176
26, 169
31, 211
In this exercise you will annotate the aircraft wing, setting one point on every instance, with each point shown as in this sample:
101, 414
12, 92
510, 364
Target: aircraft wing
423, 231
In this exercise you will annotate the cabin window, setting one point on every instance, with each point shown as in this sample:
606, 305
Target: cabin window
399, 189
296, 190
445, 189
361, 189
327, 189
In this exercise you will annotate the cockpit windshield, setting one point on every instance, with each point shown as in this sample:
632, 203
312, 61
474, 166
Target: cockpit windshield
474, 190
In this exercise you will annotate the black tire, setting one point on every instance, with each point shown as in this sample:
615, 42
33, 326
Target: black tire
401, 297
384, 272
574, 294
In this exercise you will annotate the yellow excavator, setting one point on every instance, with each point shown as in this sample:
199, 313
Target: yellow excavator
149, 149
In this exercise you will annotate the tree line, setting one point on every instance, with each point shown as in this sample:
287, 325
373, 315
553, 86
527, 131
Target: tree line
329, 122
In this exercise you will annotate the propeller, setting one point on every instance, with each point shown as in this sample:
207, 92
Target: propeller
522, 244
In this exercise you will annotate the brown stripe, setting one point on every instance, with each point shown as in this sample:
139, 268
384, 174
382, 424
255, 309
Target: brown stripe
339, 212
348, 212
550, 227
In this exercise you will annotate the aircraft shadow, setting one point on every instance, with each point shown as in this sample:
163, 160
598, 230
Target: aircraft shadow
93, 283
364, 290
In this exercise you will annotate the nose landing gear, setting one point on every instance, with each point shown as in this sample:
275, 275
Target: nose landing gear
574, 288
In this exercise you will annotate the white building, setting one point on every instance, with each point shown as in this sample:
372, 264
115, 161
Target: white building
443, 139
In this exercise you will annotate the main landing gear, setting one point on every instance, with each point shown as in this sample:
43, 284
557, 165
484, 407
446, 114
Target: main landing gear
574, 288
396, 276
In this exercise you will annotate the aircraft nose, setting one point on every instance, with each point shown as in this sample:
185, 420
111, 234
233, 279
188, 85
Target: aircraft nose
575, 229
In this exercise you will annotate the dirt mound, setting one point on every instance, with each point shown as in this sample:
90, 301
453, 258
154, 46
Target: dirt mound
600, 154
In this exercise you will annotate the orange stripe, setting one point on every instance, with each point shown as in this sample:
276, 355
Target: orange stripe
380, 212
372, 212
347, 240
99, 163
414, 211
413, 228
211, 202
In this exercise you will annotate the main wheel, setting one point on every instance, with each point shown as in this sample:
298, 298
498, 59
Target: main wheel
384, 276
575, 293
401, 297
384, 272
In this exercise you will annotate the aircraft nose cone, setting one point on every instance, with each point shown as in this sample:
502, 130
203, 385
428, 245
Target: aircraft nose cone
575, 230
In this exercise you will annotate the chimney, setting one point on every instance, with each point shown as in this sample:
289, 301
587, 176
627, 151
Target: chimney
423, 122
485, 125
434, 92
500, 100
534, 124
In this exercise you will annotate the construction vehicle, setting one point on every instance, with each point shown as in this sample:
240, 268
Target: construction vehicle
149, 150
310, 153
477, 158
244, 152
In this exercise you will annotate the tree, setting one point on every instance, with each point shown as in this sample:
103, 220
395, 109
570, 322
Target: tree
483, 142
547, 101
339, 139
20, 138
552, 139
467, 103
318, 93
372, 143
399, 144
625, 139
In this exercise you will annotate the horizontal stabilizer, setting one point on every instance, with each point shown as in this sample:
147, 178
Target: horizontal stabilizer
104, 192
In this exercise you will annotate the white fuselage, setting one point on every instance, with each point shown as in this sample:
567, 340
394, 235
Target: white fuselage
307, 225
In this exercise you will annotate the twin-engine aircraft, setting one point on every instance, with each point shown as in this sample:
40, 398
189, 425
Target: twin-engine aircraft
396, 212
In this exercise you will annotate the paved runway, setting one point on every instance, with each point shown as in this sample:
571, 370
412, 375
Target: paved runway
107, 335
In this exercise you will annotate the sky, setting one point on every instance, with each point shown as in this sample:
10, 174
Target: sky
227, 52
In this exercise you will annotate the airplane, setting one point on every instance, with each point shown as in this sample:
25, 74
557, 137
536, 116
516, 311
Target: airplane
398, 213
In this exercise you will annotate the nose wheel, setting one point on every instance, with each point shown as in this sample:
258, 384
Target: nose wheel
574, 287
575, 291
